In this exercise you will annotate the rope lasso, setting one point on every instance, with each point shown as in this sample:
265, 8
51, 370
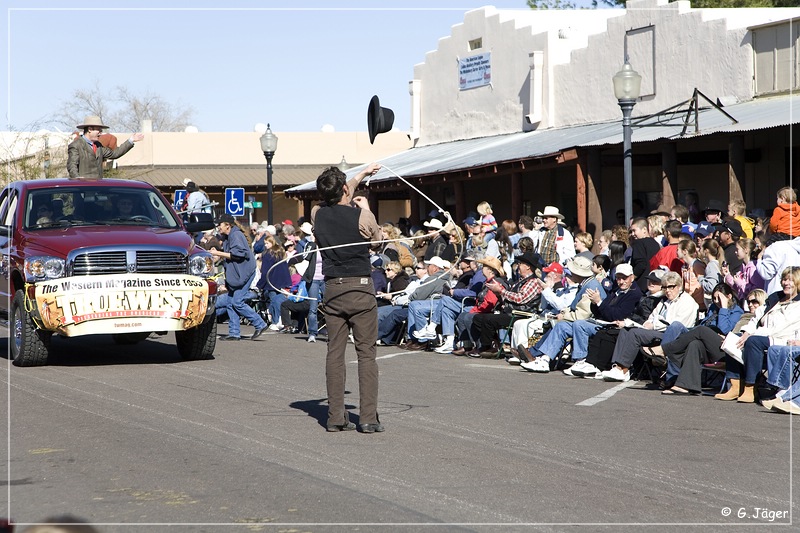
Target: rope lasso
369, 243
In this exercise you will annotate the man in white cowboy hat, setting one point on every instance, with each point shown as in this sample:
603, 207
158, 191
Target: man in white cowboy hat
555, 241
85, 155
439, 245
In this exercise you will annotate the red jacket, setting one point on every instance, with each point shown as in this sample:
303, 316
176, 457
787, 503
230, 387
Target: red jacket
786, 219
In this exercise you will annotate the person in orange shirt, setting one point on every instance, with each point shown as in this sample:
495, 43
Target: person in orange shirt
785, 221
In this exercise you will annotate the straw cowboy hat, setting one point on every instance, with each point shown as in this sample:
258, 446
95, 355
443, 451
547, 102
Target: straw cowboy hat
91, 120
551, 211
493, 263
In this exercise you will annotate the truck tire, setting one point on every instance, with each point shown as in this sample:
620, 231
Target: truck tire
197, 343
129, 338
29, 346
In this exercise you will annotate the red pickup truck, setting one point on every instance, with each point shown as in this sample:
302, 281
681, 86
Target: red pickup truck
86, 257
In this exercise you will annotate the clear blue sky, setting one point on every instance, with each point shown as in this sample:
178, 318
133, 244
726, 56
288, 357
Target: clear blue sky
296, 64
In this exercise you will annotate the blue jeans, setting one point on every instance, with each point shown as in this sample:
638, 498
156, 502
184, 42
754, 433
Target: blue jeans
238, 308
781, 366
275, 300
418, 313
445, 313
224, 301
388, 326
753, 357
316, 291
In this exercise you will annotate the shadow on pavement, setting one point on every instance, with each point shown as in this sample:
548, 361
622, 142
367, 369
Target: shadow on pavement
318, 409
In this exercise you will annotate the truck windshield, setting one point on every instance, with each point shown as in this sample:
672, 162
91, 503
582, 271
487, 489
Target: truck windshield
46, 208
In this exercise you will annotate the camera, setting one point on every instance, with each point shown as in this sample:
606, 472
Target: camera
538, 220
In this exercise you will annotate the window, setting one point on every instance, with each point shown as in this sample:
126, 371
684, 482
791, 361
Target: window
775, 57
474, 44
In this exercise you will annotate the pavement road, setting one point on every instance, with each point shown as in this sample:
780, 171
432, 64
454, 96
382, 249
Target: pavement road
133, 439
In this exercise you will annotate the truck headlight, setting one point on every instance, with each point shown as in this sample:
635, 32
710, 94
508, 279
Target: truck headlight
201, 265
44, 267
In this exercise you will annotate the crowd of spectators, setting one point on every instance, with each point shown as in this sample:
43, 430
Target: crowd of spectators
662, 297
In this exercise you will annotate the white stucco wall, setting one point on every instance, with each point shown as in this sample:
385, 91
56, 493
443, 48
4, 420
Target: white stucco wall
704, 48
674, 47
448, 113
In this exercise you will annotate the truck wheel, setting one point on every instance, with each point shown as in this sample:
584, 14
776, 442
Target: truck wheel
197, 343
129, 338
30, 346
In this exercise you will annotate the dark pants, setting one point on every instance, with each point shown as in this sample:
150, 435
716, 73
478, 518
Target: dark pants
350, 303
293, 312
488, 325
689, 351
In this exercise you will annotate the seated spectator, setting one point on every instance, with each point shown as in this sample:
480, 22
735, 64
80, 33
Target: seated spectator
440, 245
678, 306
558, 291
702, 344
618, 305
782, 374
458, 300
712, 255
485, 303
779, 324
601, 345
589, 292
396, 280
274, 280
294, 310
774, 259
523, 295
436, 277
748, 277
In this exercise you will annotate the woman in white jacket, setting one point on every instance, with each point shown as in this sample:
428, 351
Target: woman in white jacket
779, 324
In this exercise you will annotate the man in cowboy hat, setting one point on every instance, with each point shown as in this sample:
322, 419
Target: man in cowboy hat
555, 242
85, 155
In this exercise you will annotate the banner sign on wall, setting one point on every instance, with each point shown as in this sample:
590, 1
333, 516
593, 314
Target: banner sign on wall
475, 71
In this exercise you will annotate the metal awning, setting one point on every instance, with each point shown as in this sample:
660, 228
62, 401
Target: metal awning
206, 177
468, 154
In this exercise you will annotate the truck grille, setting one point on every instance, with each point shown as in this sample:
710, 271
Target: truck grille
116, 262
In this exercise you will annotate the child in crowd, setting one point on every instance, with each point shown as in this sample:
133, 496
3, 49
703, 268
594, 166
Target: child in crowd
785, 221
737, 210
488, 222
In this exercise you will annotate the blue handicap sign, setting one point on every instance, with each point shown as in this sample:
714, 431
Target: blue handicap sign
234, 201
180, 195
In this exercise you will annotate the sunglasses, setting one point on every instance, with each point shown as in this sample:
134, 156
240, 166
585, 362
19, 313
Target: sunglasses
753, 302
670, 286
419, 267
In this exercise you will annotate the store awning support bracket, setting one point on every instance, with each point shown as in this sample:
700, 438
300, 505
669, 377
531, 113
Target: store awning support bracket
685, 114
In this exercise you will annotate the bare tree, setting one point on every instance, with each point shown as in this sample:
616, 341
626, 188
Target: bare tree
123, 110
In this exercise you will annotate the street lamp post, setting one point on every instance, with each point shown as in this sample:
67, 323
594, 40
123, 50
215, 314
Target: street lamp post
269, 144
627, 84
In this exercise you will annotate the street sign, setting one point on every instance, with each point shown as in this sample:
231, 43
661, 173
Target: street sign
234, 201
180, 195
256, 204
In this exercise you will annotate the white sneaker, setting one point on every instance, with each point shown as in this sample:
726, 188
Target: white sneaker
616, 374
586, 370
428, 333
312, 338
275, 327
576, 366
513, 360
448, 346
540, 365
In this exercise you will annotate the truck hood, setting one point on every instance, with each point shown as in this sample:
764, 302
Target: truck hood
60, 241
